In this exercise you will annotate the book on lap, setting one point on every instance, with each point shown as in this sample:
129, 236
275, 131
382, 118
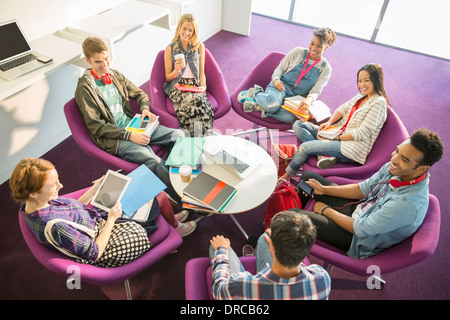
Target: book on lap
210, 191
142, 126
186, 151
318, 109
300, 115
183, 87
142, 213
331, 132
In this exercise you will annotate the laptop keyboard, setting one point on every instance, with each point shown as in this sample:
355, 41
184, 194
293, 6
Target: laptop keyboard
232, 161
17, 62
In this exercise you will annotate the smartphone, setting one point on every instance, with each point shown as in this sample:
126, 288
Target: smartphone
306, 188
144, 123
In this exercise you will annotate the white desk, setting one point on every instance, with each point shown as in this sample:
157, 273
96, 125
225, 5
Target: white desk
62, 51
134, 33
116, 23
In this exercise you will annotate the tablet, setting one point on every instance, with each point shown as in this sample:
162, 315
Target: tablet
111, 190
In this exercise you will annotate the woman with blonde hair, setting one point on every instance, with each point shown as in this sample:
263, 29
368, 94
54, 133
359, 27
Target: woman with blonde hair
184, 62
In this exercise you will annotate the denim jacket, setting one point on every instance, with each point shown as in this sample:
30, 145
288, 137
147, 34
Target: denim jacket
192, 59
312, 83
395, 214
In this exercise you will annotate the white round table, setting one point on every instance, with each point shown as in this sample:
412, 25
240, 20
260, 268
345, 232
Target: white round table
253, 190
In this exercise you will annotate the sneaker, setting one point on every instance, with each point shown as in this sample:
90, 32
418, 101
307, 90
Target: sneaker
242, 96
186, 228
250, 106
182, 216
280, 182
246, 95
326, 162
248, 250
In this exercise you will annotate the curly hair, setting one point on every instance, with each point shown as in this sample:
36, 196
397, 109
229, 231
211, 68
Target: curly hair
326, 36
430, 144
29, 176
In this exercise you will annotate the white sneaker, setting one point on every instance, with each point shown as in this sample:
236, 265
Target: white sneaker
326, 162
182, 216
186, 228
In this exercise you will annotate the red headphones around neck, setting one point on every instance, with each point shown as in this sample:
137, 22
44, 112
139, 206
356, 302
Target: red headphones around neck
106, 78
397, 183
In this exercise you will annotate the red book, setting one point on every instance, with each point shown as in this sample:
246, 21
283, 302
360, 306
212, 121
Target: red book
183, 87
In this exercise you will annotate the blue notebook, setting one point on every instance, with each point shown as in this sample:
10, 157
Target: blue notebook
144, 186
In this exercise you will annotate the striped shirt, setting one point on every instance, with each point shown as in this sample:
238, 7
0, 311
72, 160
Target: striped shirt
313, 282
68, 237
364, 125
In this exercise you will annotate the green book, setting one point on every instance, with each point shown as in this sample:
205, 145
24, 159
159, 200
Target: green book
186, 151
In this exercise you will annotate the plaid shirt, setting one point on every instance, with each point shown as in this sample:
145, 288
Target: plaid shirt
313, 283
68, 237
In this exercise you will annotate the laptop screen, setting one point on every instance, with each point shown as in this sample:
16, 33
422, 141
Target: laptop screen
12, 41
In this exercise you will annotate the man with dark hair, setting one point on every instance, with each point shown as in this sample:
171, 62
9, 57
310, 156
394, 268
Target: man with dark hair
389, 207
281, 273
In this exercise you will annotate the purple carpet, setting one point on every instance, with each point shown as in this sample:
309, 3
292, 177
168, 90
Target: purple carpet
418, 91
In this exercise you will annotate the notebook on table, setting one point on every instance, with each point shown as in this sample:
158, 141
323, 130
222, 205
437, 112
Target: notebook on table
210, 191
17, 57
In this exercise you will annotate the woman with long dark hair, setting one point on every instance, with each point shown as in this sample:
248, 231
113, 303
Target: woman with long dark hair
359, 119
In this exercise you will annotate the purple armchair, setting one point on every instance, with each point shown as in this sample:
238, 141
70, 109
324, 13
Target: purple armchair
418, 247
261, 75
81, 136
164, 240
198, 276
217, 91
392, 134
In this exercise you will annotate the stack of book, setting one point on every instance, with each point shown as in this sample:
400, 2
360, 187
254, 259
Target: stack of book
319, 110
208, 193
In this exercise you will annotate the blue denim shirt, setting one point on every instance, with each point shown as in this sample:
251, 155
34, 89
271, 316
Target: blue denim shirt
306, 83
394, 214
192, 59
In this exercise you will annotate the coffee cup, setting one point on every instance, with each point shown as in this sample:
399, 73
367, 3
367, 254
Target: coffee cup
180, 58
185, 173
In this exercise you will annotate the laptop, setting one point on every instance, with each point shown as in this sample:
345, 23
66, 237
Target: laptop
16, 55
231, 163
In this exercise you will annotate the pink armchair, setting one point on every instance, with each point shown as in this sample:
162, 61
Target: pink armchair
217, 91
261, 75
164, 240
417, 248
392, 134
81, 136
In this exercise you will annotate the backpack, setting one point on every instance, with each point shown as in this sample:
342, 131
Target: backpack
282, 154
284, 197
